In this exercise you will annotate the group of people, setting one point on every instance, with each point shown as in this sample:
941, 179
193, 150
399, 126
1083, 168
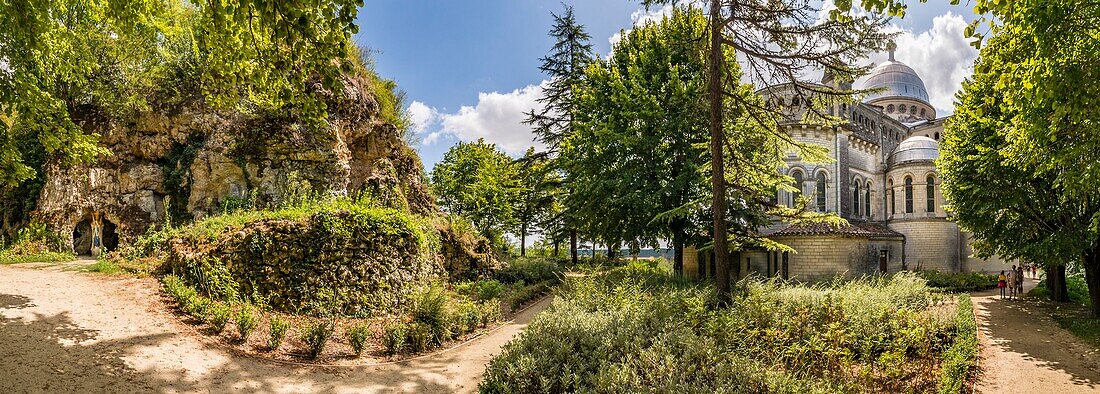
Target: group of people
1013, 282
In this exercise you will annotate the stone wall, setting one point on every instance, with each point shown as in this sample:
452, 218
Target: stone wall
197, 160
930, 243
972, 263
825, 256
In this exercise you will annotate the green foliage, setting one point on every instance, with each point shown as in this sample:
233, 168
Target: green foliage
1075, 283
316, 336
431, 310
638, 329
479, 182
219, 316
395, 336
11, 257
211, 276
959, 282
277, 330
530, 270
358, 336
960, 359
481, 290
520, 295
246, 321
419, 336
35, 243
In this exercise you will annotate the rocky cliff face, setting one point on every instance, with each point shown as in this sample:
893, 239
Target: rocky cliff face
192, 161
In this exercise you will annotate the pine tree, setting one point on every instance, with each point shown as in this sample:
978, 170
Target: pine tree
565, 65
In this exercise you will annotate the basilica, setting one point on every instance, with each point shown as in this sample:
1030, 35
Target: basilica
881, 178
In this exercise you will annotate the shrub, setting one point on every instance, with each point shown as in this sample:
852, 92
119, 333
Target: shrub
316, 336
246, 321
212, 278
394, 336
482, 290
278, 328
430, 310
959, 282
636, 328
219, 316
358, 336
962, 356
521, 295
466, 317
530, 270
489, 312
419, 336
199, 307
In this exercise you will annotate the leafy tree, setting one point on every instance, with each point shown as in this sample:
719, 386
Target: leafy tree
554, 122
540, 184
779, 41
477, 181
1030, 111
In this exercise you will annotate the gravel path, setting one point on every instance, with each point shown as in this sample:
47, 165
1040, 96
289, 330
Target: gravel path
64, 331
1025, 351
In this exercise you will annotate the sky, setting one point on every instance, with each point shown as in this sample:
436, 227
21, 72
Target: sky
469, 69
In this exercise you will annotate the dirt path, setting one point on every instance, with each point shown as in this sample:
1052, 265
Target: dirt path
1025, 351
72, 332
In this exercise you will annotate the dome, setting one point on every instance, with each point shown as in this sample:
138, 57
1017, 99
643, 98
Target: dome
898, 80
915, 149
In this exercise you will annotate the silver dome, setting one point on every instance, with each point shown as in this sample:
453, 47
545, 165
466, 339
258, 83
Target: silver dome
898, 80
915, 149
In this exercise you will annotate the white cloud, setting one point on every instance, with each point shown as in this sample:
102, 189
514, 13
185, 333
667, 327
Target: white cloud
942, 56
497, 117
421, 116
640, 17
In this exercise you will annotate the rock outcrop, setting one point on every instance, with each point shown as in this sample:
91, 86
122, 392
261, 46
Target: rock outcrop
193, 161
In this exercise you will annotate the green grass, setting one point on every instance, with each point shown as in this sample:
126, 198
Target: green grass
44, 257
1078, 322
103, 267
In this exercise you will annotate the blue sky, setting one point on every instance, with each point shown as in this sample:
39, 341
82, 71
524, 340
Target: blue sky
470, 68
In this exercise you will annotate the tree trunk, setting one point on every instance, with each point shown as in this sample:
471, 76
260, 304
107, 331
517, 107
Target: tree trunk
678, 252
611, 251
573, 245
717, 159
523, 240
1092, 278
557, 249
1056, 282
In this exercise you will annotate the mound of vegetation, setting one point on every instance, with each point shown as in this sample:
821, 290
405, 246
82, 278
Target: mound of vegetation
638, 329
319, 258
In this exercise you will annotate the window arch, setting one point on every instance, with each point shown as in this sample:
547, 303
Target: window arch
820, 191
867, 199
855, 199
931, 191
797, 183
908, 195
937, 136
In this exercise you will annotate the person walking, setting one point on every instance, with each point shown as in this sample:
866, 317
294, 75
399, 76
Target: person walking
1001, 283
1020, 281
1012, 279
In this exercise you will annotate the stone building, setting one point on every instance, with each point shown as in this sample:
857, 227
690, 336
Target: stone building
881, 178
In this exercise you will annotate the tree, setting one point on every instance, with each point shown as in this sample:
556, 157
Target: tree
477, 181
779, 41
639, 131
565, 65
539, 186
1029, 111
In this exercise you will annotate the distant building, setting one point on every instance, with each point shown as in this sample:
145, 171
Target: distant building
882, 179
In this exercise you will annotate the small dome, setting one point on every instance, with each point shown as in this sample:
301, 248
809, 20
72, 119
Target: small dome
915, 149
898, 80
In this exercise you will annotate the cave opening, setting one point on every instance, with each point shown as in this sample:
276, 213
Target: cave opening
94, 235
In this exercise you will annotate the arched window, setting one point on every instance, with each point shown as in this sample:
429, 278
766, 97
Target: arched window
867, 200
821, 191
855, 199
908, 195
937, 136
931, 190
890, 108
798, 182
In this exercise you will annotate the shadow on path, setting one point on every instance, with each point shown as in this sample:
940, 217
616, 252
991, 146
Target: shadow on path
1024, 350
